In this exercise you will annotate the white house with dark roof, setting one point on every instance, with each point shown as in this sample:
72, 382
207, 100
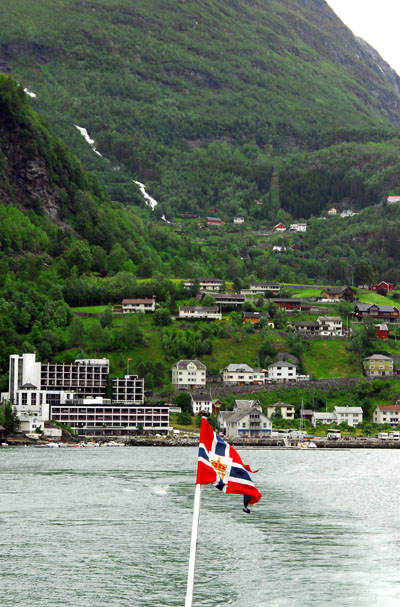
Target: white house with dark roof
201, 401
131, 306
241, 374
330, 326
247, 420
282, 371
189, 374
199, 312
229, 300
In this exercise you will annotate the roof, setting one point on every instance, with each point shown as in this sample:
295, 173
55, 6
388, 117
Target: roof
385, 308
183, 364
306, 323
245, 404
363, 307
286, 356
281, 363
237, 368
388, 407
208, 279
227, 296
329, 318
255, 315
378, 357
240, 413
337, 290
137, 301
28, 386
286, 300
348, 409
280, 404
213, 219
201, 395
318, 415
382, 327
199, 308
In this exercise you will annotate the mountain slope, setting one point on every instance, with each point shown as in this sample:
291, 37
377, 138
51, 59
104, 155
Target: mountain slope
166, 85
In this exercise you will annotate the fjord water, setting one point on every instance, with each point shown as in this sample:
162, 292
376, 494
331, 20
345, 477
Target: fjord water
111, 528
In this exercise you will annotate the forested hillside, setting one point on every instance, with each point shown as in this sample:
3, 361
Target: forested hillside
267, 111
203, 101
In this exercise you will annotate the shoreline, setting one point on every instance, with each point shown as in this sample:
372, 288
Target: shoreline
321, 443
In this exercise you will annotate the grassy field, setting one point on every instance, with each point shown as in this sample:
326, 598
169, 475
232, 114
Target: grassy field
90, 309
374, 298
329, 359
304, 292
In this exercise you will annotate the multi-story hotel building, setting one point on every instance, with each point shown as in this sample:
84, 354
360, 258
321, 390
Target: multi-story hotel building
73, 394
128, 389
22, 370
100, 416
86, 377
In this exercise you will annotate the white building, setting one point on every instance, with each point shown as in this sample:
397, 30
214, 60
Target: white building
99, 416
85, 376
241, 374
189, 374
210, 284
131, 306
387, 414
351, 415
31, 408
282, 371
201, 401
393, 199
323, 418
264, 287
247, 420
22, 369
330, 325
128, 389
298, 227
238, 220
198, 312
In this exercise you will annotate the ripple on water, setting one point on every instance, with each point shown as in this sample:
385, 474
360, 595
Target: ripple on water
111, 527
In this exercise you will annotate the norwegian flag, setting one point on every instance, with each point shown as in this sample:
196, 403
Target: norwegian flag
221, 465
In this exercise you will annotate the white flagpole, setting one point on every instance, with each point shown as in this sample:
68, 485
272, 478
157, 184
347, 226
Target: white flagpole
193, 546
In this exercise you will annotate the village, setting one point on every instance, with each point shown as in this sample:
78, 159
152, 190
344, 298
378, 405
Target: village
83, 397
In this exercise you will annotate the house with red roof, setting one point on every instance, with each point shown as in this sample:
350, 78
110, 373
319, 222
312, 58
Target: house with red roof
387, 414
280, 227
389, 286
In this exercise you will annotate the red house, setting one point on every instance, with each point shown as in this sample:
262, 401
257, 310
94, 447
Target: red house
287, 304
382, 331
213, 221
280, 227
382, 285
